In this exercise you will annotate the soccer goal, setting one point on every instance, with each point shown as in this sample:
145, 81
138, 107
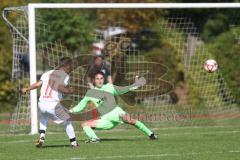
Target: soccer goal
167, 43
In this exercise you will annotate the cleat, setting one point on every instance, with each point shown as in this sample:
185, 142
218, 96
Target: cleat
39, 143
153, 137
93, 140
75, 146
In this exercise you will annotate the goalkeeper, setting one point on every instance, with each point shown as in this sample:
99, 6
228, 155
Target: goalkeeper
111, 114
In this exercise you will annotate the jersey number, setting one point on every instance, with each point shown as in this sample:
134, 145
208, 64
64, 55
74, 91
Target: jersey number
48, 91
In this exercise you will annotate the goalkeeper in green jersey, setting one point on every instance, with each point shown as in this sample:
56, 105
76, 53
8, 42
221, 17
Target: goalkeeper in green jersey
110, 113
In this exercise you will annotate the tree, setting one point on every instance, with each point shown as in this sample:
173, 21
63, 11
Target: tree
227, 56
7, 88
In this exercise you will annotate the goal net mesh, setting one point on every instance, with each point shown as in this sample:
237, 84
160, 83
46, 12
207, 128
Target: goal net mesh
169, 54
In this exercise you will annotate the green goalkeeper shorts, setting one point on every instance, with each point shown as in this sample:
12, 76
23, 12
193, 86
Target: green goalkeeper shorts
111, 119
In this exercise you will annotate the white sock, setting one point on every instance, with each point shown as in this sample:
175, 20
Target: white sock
42, 135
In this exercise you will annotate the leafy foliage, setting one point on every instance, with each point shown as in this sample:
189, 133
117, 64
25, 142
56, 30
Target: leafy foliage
74, 29
7, 89
228, 59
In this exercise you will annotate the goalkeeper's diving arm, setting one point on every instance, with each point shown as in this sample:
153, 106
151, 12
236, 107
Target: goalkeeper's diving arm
138, 83
80, 106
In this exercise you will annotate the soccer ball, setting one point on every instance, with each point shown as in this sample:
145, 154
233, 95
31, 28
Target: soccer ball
210, 65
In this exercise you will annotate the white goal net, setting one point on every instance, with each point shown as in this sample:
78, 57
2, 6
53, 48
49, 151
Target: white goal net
169, 53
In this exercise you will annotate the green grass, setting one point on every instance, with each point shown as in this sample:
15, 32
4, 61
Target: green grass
176, 143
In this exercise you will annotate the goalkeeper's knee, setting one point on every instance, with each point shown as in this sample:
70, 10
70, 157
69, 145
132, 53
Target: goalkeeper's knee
91, 124
128, 119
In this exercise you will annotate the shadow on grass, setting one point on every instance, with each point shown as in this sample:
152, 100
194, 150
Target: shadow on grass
118, 139
57, 146
84, 141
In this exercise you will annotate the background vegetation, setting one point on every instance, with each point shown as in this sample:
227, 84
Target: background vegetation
213, 25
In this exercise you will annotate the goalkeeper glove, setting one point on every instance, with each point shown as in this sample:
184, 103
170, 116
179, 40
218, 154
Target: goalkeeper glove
139, 82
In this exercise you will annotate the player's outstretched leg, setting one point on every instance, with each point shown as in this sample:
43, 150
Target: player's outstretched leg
71, 134
139, 125
88, 129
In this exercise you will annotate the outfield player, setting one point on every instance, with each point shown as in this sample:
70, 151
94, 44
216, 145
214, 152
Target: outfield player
53, 84
111, 117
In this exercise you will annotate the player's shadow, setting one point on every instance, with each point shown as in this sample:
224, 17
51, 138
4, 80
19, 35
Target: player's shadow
118, 139
57, 146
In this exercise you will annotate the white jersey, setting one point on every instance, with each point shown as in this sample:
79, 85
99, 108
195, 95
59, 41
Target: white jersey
50, 83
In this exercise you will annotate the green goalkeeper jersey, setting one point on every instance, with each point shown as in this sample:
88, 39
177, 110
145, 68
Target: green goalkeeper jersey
98, 96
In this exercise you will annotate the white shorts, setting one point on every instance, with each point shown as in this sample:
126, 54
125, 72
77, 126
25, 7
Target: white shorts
47, 111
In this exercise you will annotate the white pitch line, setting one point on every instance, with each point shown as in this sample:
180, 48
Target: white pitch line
19, 141
234, 151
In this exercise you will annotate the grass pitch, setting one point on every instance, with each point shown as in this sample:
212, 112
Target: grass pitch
178, 143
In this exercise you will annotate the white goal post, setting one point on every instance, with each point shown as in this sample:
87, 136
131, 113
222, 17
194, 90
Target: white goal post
32, 36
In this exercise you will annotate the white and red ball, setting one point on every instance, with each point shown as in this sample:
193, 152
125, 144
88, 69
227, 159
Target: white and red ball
210, 65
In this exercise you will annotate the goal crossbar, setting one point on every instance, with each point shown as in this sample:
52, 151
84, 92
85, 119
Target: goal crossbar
134, 5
